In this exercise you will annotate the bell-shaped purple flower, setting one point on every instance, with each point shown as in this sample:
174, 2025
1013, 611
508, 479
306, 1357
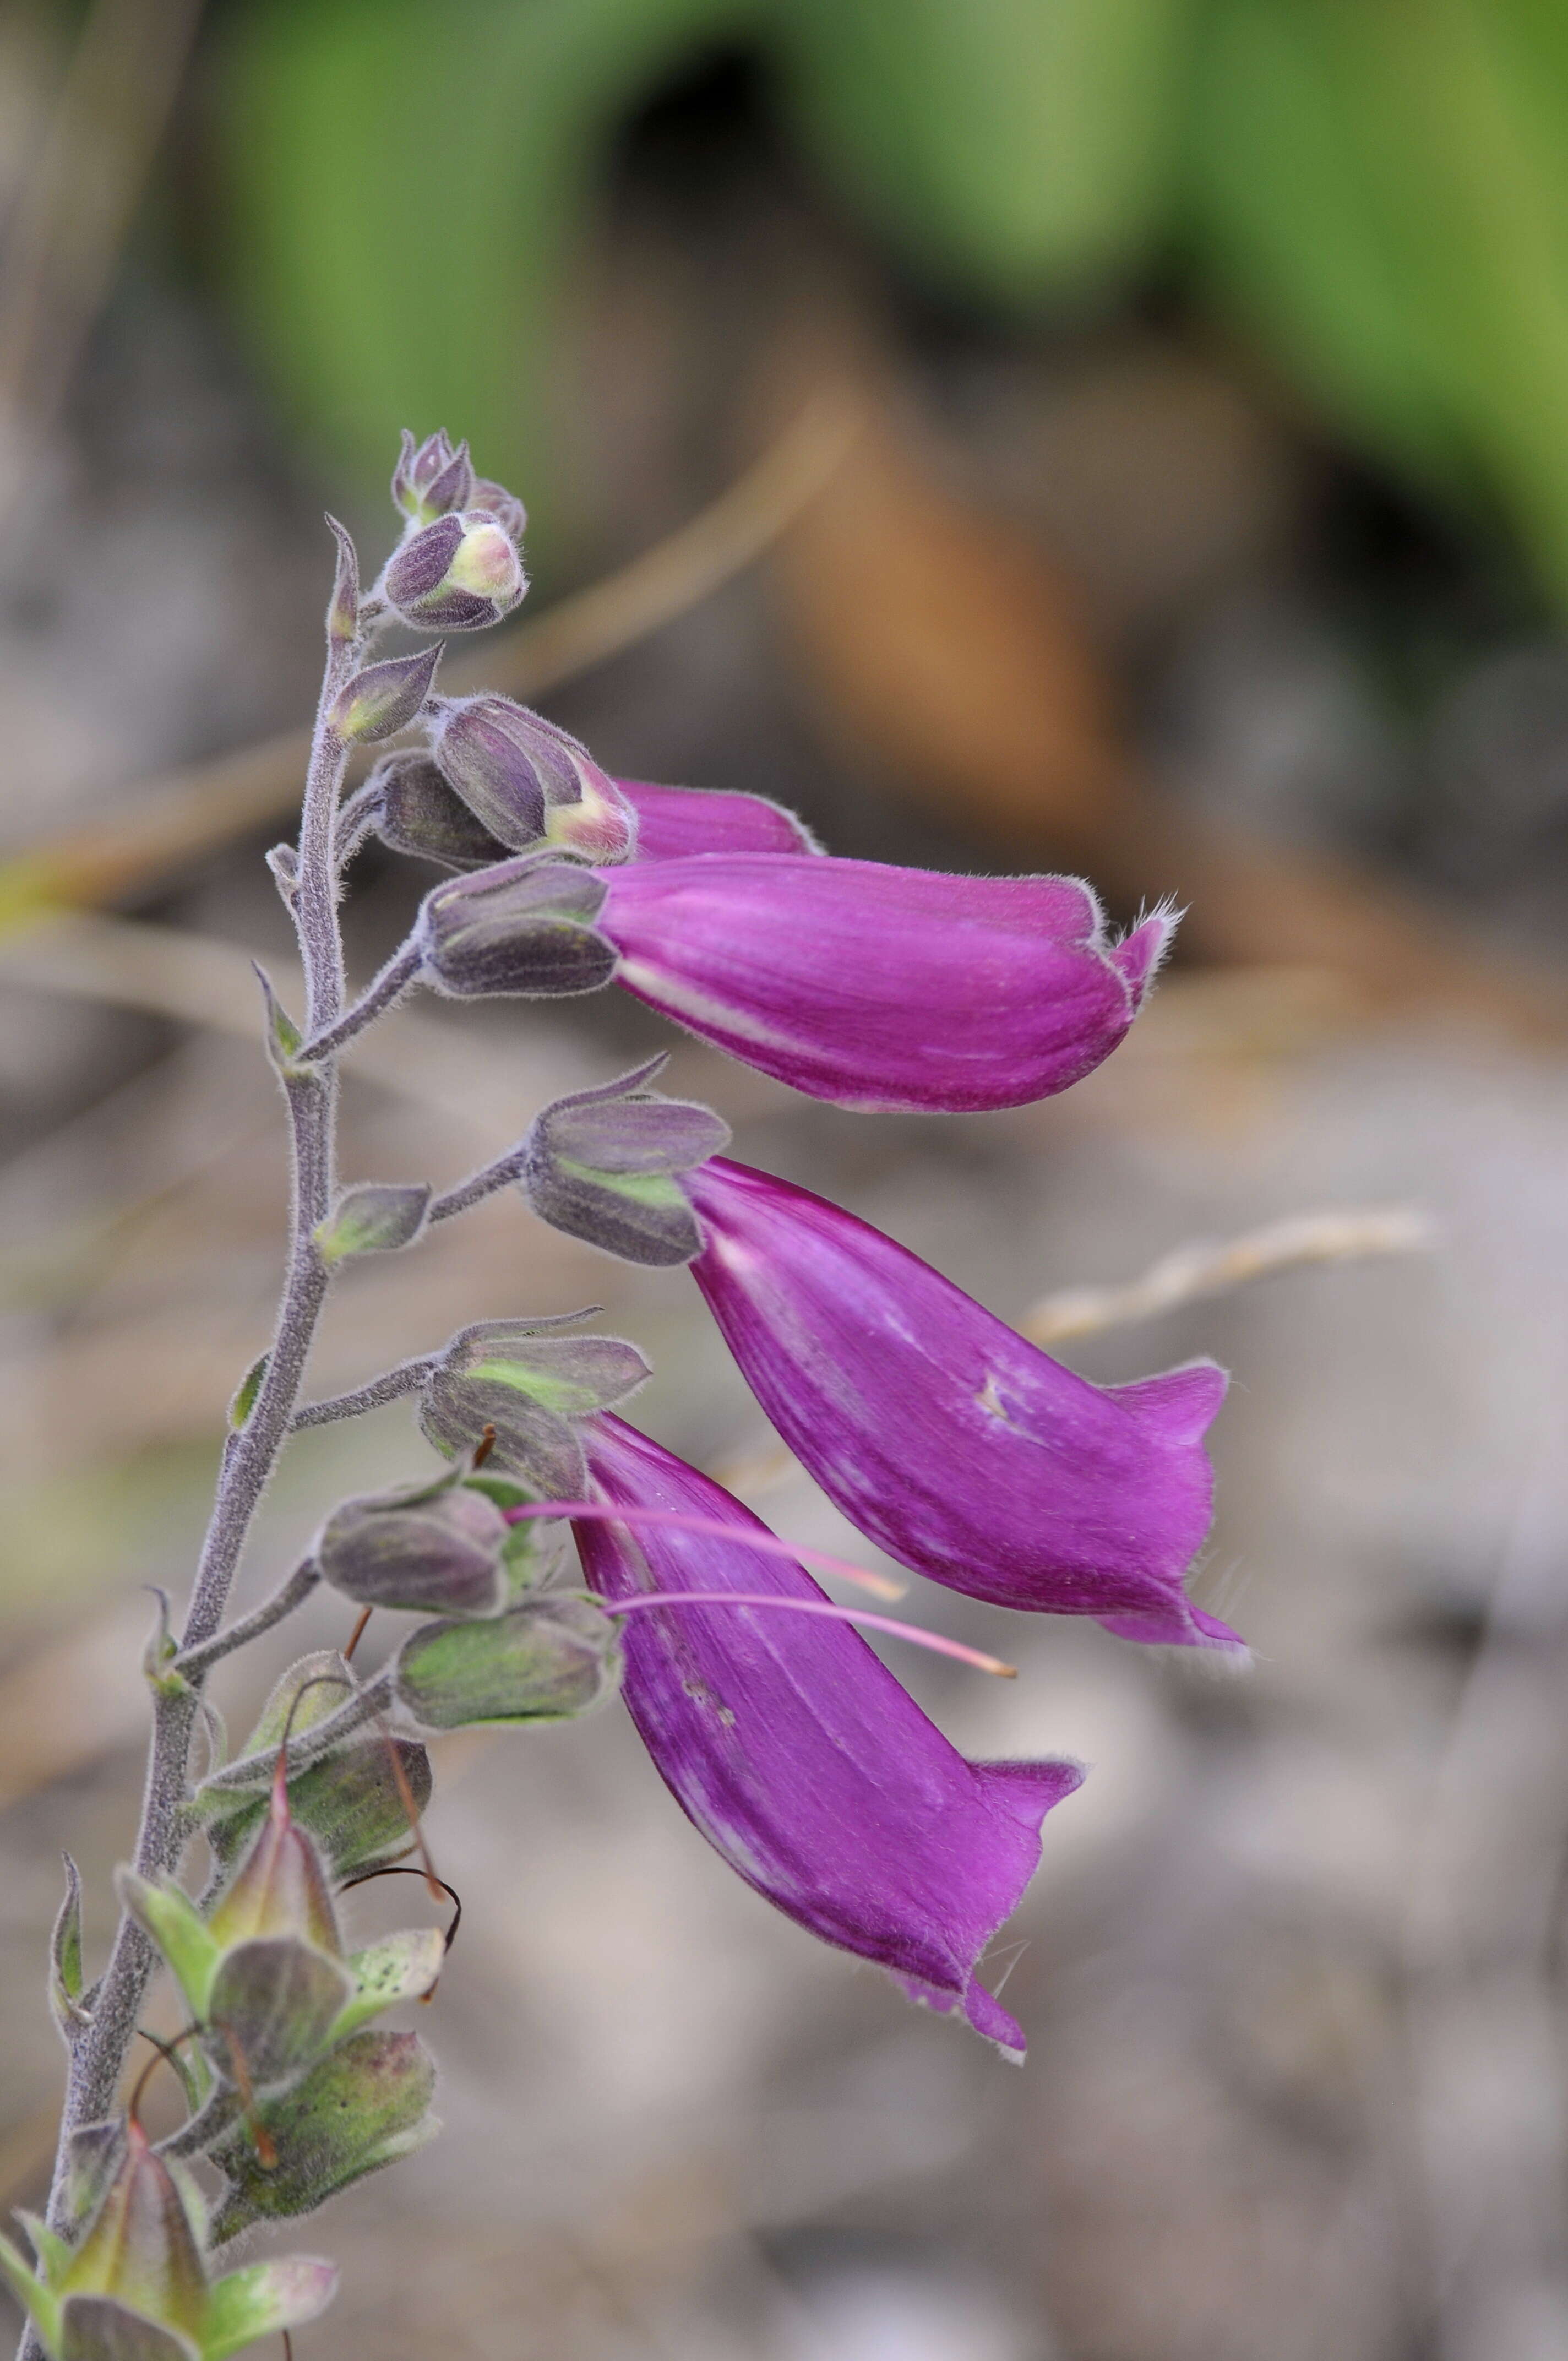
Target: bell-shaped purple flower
673, 822
795, 1751
951, 1440
882, 987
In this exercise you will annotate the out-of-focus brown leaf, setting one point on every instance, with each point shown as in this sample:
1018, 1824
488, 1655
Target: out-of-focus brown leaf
948, 659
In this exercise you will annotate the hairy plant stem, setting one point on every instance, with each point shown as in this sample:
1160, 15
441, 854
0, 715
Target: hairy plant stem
98, 2057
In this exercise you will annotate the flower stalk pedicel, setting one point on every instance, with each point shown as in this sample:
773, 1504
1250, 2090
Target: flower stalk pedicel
795, 1751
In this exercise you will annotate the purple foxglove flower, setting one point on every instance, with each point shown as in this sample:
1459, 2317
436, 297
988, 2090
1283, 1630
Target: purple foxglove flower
882, 987
959, 1447
797, 1754
674, 821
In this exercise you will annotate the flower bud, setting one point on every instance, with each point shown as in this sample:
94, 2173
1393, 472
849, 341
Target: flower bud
504, 506
383, 699
546, 1659
364, 2106
604, 1166
355, 1804
432, 479
530, 1385
140, 2248
416, 812
135, 2287
523, 927
374, 1217
279, 1888
434, 1548
525, 779
457, 574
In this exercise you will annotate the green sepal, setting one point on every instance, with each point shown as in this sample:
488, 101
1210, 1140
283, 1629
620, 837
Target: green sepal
278, 1999
548, 1659
364, 2106
174, 1922
374, 1218
400, 1967
264, 2298
101, 2328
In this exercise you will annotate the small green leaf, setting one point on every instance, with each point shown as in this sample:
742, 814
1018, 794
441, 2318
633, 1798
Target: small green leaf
284, 1038
263, 2299
65, 1958
245, 1393
376, 1218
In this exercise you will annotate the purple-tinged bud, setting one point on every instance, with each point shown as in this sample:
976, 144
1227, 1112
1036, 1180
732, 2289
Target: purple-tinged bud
433, 479
435, 1549
417, 813
525, 927
604, 1165
507, 765
527, 781
363, 2107
548, 1659
460, 574
504, 506
533, 1385
384, 698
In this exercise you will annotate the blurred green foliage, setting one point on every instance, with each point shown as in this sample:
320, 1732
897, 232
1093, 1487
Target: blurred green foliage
1375, 190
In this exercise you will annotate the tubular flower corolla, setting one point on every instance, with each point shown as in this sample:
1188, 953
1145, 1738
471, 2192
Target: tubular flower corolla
799, 1756
958, 1446
879, 987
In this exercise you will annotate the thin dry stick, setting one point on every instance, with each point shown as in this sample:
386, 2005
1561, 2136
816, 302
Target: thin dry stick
1191, 1272
194, 812
1200, 1270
